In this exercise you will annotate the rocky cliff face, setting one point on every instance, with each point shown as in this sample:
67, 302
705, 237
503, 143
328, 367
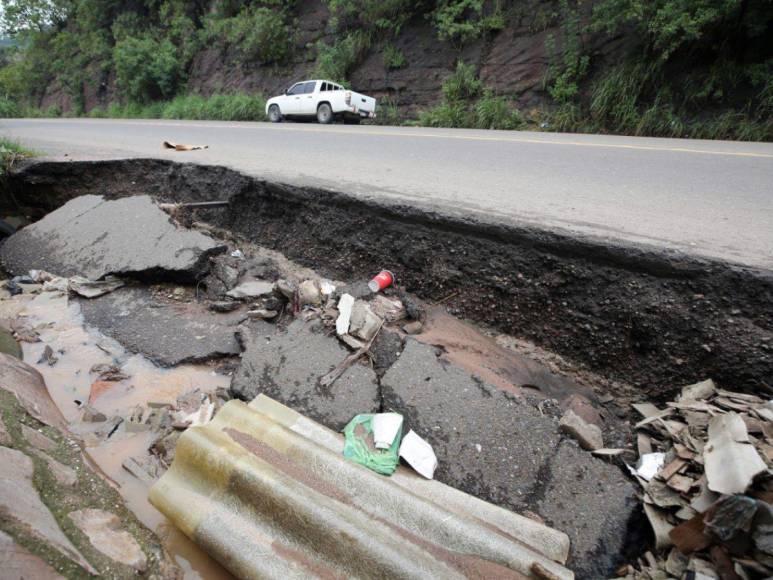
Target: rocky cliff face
513, 62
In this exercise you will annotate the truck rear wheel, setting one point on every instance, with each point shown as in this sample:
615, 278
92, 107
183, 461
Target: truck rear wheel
274, 114
324, 114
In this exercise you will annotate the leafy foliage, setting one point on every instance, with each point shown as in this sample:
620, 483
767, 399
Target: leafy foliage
335, 62
462, 21
467, 104
393, 57
260, 33
147, 69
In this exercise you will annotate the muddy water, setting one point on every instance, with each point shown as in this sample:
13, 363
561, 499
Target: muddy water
59, 324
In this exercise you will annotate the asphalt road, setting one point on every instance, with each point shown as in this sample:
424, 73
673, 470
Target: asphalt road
711, 198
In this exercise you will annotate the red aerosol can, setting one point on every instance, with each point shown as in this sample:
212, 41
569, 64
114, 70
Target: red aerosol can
382, 280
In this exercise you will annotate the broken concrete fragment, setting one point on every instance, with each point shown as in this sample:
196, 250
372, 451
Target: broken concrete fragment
414, 327
290, 365
390, 309
168, 334
287, 288
309, 293
698, 391
94, 237
132, 466
262, 314
251, 289
589, 436
91, 415
108, 372
364, 323
351, 342
106, 534
48, 356
731, 462
19, 502
19, 564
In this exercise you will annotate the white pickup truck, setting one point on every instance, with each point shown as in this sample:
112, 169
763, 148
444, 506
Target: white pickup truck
324, 100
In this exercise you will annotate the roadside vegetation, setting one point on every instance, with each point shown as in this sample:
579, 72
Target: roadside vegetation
10, 153
688, 68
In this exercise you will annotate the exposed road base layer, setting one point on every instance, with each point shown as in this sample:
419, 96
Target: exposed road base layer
652, 318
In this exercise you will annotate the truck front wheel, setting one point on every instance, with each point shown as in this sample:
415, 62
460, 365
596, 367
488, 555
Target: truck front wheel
274, 114
324, 114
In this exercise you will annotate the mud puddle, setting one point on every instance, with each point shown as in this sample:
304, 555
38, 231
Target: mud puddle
59, 325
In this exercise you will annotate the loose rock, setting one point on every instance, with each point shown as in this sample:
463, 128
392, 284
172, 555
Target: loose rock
589, 436
106, 535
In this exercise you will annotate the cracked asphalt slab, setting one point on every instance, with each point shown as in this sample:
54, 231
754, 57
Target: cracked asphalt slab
94, 237
704, 198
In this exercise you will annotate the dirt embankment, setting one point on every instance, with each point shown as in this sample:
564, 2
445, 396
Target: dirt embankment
654, 319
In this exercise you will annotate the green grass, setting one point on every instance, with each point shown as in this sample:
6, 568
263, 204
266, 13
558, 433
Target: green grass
10, 153
236, 107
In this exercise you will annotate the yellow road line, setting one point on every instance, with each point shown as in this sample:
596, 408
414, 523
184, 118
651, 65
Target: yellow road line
382, 133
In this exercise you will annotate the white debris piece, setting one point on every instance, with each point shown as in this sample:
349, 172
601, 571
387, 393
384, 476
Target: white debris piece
649, 465
419, 455
698, 391
93, 288
345, 304
364, 323
326, 287
385, 429
731, 460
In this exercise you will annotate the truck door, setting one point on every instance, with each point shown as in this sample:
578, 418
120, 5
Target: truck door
291, 104
309, 99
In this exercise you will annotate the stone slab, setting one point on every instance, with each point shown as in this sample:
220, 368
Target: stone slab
17, 563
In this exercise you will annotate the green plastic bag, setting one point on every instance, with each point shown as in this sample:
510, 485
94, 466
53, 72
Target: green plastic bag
360, 448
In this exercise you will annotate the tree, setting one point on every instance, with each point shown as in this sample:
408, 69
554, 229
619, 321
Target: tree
33, 15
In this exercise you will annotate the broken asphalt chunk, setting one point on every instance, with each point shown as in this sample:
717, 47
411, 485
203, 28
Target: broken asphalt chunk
93, 237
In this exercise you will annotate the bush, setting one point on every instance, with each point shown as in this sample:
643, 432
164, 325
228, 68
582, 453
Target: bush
9, 108
384, 15
492, 112
259, 34
335, 62
463, 84
456, 114
387, 112
393, 58
238, 107
461, 21
147, 69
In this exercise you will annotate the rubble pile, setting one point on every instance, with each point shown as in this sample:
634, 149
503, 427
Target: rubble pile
704, 467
